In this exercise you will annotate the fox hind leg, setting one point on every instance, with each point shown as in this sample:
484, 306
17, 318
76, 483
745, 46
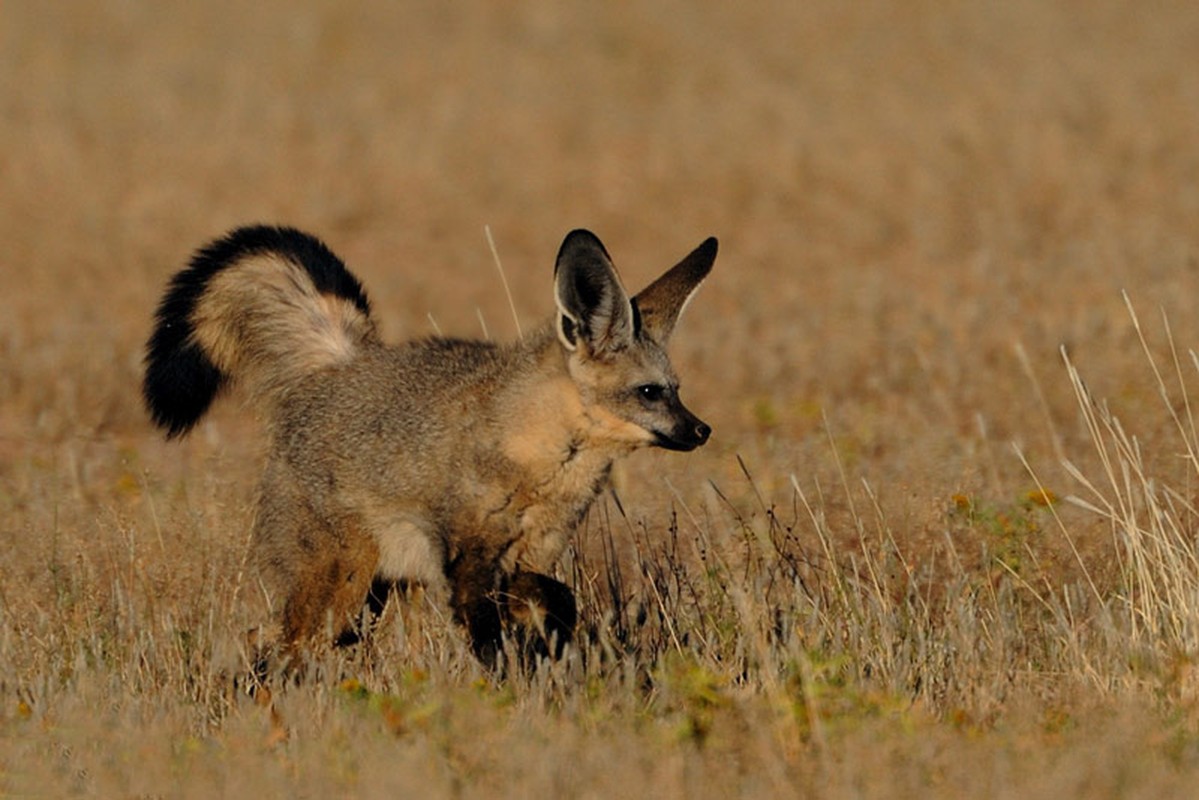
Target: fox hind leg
329, 581
377, 596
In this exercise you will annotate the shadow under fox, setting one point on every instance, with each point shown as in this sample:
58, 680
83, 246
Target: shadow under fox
461, 464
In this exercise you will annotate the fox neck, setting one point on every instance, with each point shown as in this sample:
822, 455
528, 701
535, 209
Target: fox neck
548, 406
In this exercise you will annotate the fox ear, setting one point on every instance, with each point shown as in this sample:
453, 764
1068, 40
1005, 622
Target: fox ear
662, 302
593, 307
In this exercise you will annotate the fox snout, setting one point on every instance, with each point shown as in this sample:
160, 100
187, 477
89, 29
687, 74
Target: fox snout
688, 433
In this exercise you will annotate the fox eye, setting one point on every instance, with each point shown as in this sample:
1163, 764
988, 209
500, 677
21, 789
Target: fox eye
651, 392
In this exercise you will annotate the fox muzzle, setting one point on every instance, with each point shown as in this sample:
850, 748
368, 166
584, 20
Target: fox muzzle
689, 433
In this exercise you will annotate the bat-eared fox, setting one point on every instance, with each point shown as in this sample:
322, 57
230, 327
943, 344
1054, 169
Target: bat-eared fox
462, 465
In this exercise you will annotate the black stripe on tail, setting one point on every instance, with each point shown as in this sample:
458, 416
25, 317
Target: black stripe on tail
181, 381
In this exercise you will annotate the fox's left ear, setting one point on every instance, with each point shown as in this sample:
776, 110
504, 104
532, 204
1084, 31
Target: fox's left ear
662, 302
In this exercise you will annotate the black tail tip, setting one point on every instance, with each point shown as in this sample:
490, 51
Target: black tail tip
180, 384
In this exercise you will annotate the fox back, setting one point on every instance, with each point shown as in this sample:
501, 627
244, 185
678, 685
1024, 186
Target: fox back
461, 464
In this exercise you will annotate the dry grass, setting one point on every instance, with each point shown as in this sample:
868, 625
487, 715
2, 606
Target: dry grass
859, 588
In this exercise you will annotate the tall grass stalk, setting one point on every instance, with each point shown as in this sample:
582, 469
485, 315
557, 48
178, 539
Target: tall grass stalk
1149, 507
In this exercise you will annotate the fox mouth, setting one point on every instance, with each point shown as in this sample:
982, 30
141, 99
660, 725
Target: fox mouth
670, 443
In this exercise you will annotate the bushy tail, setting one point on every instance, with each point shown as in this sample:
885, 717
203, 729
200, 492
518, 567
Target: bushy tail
262, 306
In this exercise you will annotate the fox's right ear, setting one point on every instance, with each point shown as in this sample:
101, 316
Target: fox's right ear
593, 307
662, 302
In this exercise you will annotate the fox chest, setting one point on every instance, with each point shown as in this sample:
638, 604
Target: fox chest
534, 512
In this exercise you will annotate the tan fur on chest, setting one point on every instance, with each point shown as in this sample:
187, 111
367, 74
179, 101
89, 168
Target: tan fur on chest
561, 457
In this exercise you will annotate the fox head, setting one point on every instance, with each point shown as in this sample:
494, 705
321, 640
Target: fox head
616, 344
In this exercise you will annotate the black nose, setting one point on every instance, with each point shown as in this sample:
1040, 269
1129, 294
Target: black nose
702, 432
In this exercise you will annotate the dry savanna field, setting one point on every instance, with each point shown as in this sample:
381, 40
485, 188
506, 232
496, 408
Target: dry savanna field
942, 542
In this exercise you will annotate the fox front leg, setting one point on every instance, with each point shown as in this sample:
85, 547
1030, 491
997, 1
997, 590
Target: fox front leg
538, 611
474, 577
541, 611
